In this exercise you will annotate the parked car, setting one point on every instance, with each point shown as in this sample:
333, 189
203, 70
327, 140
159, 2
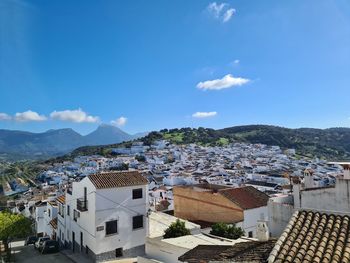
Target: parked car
30, 240
39, 243
50, 246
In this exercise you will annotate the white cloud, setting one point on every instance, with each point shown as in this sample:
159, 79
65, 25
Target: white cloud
227, 81
228, 15
200, 114
236, 61
78, 116
5, 117
221, 11
29, 116
216, 9
121, 121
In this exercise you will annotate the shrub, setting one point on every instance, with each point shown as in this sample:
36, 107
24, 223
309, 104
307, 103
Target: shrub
176, 229
227, 231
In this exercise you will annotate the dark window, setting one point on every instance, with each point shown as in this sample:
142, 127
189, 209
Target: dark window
250, 234
81, 241
137, 222
112, 227
119, 252
137, 193
76, 215
68, 210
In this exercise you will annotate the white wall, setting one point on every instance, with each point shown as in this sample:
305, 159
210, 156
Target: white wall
329, 199
280, 210
103, 207
39, 219
163, 251
252, 216
118, 204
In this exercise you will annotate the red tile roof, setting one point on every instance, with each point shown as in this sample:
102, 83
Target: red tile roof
61, 199
117, 179
53, 223
253, 251
246, 197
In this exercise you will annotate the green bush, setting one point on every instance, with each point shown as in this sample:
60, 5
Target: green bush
177, 229
227, 231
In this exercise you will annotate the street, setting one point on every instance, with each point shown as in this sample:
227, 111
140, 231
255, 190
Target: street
27, 254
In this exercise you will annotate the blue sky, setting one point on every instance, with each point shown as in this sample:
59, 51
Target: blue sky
148, 65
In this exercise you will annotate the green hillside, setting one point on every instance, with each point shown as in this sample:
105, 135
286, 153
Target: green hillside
332, 144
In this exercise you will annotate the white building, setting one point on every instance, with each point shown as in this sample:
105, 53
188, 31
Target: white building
106, 215
39, 218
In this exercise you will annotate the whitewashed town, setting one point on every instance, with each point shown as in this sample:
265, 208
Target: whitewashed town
179, 131
101, 209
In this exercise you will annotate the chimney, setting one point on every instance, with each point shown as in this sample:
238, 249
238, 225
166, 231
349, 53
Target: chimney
308, 178
346, 172
262, 231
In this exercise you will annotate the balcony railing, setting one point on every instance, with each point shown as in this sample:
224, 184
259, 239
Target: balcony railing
82, 205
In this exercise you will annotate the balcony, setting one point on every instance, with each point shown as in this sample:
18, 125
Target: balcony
82, 205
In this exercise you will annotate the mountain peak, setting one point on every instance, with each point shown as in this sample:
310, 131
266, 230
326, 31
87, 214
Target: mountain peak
107, 134
108, 126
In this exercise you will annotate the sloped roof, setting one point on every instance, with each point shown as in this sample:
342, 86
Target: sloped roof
117, 179
246, 197
314, 237
61, 199
253, 251
53, 223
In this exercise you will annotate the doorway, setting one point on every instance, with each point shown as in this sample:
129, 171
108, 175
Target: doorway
73, 241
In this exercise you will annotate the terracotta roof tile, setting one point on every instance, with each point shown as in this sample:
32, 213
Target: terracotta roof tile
117, 179
61, 199
53, 223
246, 197
241, 252
313, 237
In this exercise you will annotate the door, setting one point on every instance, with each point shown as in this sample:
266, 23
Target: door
81, 242
73, 241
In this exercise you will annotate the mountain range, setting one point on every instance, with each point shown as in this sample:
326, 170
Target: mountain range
20, 145
331, 144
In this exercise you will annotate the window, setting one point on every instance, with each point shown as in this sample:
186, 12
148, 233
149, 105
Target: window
137, 222
119, 252
137, 193
76, 215
112, 227
250, 234
61, 210
68, 210
49, 212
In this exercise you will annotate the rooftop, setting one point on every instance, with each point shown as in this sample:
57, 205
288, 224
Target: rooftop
246, 197
159, 222
314, 237
53, 223
191, 241
114, 179
252, 251
61, 199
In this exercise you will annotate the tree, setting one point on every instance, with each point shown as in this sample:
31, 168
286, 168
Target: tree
227, 231
140, 158
177, 229
121, 167
13, 226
